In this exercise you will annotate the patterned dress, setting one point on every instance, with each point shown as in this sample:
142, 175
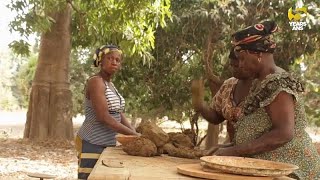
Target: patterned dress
255, 122
224, 104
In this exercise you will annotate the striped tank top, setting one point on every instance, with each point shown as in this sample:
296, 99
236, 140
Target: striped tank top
93, 130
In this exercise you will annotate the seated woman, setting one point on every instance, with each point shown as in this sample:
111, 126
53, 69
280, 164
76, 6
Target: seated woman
273, 123
228, 101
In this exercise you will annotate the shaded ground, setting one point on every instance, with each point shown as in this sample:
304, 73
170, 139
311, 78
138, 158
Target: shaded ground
18, 157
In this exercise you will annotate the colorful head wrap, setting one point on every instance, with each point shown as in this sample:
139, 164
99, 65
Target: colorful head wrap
105, 49
256, 38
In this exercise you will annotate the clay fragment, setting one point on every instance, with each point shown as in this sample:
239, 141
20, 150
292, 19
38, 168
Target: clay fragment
180, 140
140, 147
153, 132
182, 152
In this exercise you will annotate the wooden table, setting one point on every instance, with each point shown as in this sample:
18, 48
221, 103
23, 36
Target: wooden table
136, 168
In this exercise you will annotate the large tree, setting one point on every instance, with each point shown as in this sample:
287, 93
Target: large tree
91, 24
49, 108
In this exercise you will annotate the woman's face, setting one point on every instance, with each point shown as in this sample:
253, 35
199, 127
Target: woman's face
111, 62
237, 72
248, 63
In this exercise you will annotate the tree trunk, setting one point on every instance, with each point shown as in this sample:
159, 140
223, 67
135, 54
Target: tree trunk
212, 135
49, 112
213, 130
214, 84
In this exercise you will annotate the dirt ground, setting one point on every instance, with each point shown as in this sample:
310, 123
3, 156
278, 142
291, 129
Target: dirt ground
19, 157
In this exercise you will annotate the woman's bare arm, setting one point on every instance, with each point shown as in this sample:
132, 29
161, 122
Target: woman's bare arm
281, 113
210, 114
96, 92
197, 90
125, 122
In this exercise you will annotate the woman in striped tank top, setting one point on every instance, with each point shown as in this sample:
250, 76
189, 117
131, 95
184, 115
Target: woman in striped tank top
103, 111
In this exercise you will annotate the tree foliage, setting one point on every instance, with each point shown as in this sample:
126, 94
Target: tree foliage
23, 80
161, 86
129, 24
180, 46
308, 66
8, 64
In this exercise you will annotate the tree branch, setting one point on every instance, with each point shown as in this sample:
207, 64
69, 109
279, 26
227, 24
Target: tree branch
207, 56
201, 140
73, 7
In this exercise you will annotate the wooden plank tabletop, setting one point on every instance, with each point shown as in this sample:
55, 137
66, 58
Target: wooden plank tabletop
136, 168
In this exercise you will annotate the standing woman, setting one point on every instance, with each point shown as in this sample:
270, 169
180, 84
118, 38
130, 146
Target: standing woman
273, 123
104, 116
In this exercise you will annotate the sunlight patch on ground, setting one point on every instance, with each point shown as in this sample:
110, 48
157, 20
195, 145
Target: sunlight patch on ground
22, 166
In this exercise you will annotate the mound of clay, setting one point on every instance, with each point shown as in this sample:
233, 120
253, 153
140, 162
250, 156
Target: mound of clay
154, 141
189, 133
153, 132
180, 140
182, 152
140, 147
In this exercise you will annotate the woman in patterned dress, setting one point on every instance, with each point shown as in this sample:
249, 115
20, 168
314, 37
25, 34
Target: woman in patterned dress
227, 102
273, 123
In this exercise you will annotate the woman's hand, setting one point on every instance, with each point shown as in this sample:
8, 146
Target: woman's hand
197, 90
209, 114
211, 151
228, 151
215, 148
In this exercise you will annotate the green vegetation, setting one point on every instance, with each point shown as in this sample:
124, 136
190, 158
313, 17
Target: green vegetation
157, 70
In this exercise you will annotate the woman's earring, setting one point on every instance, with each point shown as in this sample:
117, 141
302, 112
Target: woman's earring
259, 59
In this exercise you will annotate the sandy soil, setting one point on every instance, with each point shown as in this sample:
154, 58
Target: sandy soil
19, 157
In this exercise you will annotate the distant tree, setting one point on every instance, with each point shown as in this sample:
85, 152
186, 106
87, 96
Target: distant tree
8, 65
23, 80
